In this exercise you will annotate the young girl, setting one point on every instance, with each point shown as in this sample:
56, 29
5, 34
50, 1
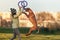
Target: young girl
15, 23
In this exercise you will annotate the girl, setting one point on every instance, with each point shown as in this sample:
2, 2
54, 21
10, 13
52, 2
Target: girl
15, 23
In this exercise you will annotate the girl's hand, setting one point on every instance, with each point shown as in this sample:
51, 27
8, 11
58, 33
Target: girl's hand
20, 7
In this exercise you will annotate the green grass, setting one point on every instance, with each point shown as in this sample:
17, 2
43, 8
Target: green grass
6, 34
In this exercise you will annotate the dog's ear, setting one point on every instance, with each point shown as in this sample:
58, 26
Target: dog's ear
27, 9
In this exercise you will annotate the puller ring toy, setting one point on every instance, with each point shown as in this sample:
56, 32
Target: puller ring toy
22, 3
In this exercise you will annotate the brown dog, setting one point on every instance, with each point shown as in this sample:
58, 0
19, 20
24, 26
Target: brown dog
32, 19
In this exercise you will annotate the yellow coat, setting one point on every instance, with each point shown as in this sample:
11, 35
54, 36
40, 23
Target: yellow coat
15, 20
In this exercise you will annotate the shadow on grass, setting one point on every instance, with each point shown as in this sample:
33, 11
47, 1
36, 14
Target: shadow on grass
25, 30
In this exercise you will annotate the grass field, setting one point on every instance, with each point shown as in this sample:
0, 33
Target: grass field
6, 34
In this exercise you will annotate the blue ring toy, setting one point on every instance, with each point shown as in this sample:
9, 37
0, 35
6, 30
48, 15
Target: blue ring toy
22, 3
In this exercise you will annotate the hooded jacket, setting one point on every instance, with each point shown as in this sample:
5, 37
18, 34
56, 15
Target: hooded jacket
15, 20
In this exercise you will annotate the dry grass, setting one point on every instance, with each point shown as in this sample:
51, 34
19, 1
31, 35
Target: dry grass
7, 36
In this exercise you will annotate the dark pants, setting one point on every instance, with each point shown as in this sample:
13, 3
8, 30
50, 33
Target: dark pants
16, 33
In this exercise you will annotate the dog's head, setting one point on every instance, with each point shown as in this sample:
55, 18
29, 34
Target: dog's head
27, 9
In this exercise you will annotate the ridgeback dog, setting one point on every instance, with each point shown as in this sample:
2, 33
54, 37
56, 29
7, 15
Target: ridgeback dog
32, 19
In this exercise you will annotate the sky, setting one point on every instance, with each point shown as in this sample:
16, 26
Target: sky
35, 5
